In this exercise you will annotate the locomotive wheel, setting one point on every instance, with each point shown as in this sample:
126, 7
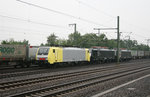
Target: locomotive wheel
15, 66
28, 65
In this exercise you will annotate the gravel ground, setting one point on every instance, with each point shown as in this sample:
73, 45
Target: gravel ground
98, 88
52, 83
139, 88
61, 70
67, 70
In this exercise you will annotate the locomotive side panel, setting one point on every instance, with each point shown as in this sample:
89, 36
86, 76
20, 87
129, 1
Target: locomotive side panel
55, 55
74, 54
102, 55
107, 54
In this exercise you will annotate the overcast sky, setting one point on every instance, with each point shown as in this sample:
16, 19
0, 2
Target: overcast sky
22, 21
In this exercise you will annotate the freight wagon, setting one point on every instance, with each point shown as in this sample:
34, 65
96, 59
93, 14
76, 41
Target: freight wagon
17, 55
134, 54
146, 54
140, 54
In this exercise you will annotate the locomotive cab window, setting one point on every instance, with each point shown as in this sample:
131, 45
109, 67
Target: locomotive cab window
43, 51
53, 50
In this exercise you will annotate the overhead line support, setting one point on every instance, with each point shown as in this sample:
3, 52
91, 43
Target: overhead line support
118, 37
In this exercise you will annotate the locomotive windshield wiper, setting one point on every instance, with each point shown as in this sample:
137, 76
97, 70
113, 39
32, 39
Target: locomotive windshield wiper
45, 53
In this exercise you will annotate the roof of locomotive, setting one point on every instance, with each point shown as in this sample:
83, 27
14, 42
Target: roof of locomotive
44, 47
125, 50
73, 48
68, 48
103, 49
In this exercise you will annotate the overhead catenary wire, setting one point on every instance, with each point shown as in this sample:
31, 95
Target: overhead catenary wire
34, 22
30, 21
88, 5
18, 32
85, 4
25, 29
133, 38
16, 18
62, 13
137, 27
135, 34
25, 34
140, 36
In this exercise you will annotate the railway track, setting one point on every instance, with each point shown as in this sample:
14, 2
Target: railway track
22, 72
9, 69
18, 85
66, 88
35, 70
57, 76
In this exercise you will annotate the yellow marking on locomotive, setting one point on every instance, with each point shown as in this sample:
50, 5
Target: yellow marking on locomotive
60, 55
37, 53
87, 54
55, 55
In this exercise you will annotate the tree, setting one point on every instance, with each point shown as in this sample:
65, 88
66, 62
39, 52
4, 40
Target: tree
112, 43
102, 40
12, 41
42, 44
52, 40
74, 39
89, 40
61, 42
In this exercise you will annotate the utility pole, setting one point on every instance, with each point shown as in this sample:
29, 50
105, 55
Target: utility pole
103, 29
75, 27
148, 40
118, 41
75, 30
118, 37
128, 43
98, 30
128, 35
